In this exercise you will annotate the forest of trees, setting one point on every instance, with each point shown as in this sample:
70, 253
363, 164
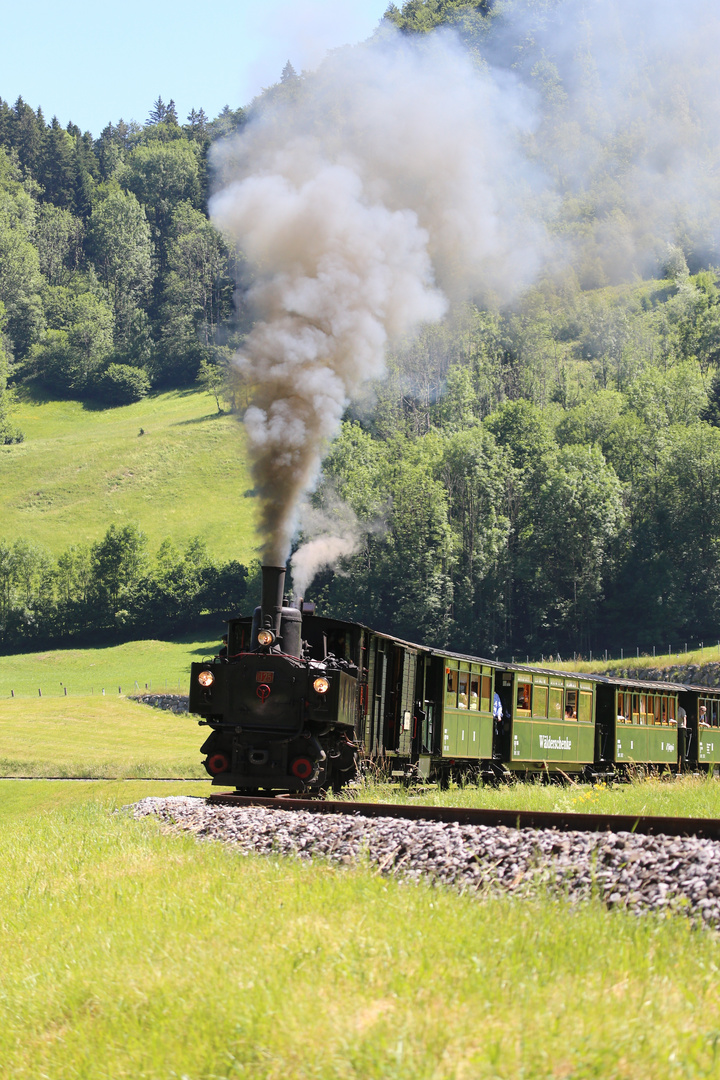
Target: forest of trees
112, 590
112, 279
535, 478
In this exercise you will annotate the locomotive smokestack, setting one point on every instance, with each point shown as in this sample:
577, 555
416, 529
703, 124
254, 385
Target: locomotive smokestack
273, 585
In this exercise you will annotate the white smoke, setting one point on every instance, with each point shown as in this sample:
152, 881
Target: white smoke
320, 554
330, 533
405, 174
353, 206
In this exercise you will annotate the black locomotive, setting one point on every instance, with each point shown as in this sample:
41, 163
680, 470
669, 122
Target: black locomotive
295, 700
283, 702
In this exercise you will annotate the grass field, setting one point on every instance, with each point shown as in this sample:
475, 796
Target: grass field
129, 954
97, 737
82, 469
161, 664
708, 654
686, 796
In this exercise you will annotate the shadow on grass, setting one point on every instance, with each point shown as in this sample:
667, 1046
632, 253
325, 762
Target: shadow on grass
200, 419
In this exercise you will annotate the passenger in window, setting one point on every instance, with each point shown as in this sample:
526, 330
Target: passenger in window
702, 719
462, 698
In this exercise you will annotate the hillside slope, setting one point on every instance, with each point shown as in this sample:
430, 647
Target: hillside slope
81, 469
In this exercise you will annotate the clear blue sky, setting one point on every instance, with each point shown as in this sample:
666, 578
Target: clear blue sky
92, 63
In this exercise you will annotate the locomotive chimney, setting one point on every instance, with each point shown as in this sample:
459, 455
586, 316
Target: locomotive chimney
273, 585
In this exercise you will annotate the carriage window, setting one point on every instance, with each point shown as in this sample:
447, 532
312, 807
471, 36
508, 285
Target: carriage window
451, 689
463, 681
485, 693
540, 701
585, 707
571, 704
555, 704
621, 714
643, 709
657, 709
474, 702
524, 691
713, 710
635, 709
671, 709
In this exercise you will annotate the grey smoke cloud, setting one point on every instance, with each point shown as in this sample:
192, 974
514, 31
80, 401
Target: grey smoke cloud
360, 208
406, 174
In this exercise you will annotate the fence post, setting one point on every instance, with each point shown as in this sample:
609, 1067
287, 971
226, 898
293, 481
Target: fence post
65, 691
39, 692
12, 693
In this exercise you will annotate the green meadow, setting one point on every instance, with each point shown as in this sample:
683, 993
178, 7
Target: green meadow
132, 954
82, 469
669, 796
129, 953
86, 737
161, 665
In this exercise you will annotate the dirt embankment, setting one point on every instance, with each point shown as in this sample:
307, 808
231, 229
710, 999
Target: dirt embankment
697, 674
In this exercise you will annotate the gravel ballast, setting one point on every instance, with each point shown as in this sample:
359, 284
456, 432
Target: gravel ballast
642, 873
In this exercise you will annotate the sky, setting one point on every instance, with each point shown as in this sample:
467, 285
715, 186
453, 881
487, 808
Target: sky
94, 63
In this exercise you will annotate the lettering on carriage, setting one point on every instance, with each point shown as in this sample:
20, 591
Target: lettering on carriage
546, 743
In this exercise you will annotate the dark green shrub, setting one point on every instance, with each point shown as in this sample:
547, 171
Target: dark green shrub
121, 384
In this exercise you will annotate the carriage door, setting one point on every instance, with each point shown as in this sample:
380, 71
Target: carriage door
377, 685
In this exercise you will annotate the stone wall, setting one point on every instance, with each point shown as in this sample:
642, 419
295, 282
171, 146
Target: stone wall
176, 703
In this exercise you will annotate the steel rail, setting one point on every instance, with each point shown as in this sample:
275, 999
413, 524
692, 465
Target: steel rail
707, 828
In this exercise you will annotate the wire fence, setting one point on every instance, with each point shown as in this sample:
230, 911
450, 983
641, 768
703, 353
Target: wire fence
109, 688
708, 653
179, 685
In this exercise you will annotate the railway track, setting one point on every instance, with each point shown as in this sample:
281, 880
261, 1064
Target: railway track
704, 828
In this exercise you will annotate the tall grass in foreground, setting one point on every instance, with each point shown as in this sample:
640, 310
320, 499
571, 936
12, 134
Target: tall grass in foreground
128, 954
672, 796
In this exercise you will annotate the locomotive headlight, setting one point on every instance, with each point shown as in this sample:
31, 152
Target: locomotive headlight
321, 686
206, 678
266, 637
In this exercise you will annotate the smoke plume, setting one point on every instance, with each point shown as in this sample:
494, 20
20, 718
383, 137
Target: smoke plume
407, 173
355, 204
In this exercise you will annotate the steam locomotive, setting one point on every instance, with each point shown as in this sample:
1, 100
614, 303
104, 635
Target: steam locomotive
296, 700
